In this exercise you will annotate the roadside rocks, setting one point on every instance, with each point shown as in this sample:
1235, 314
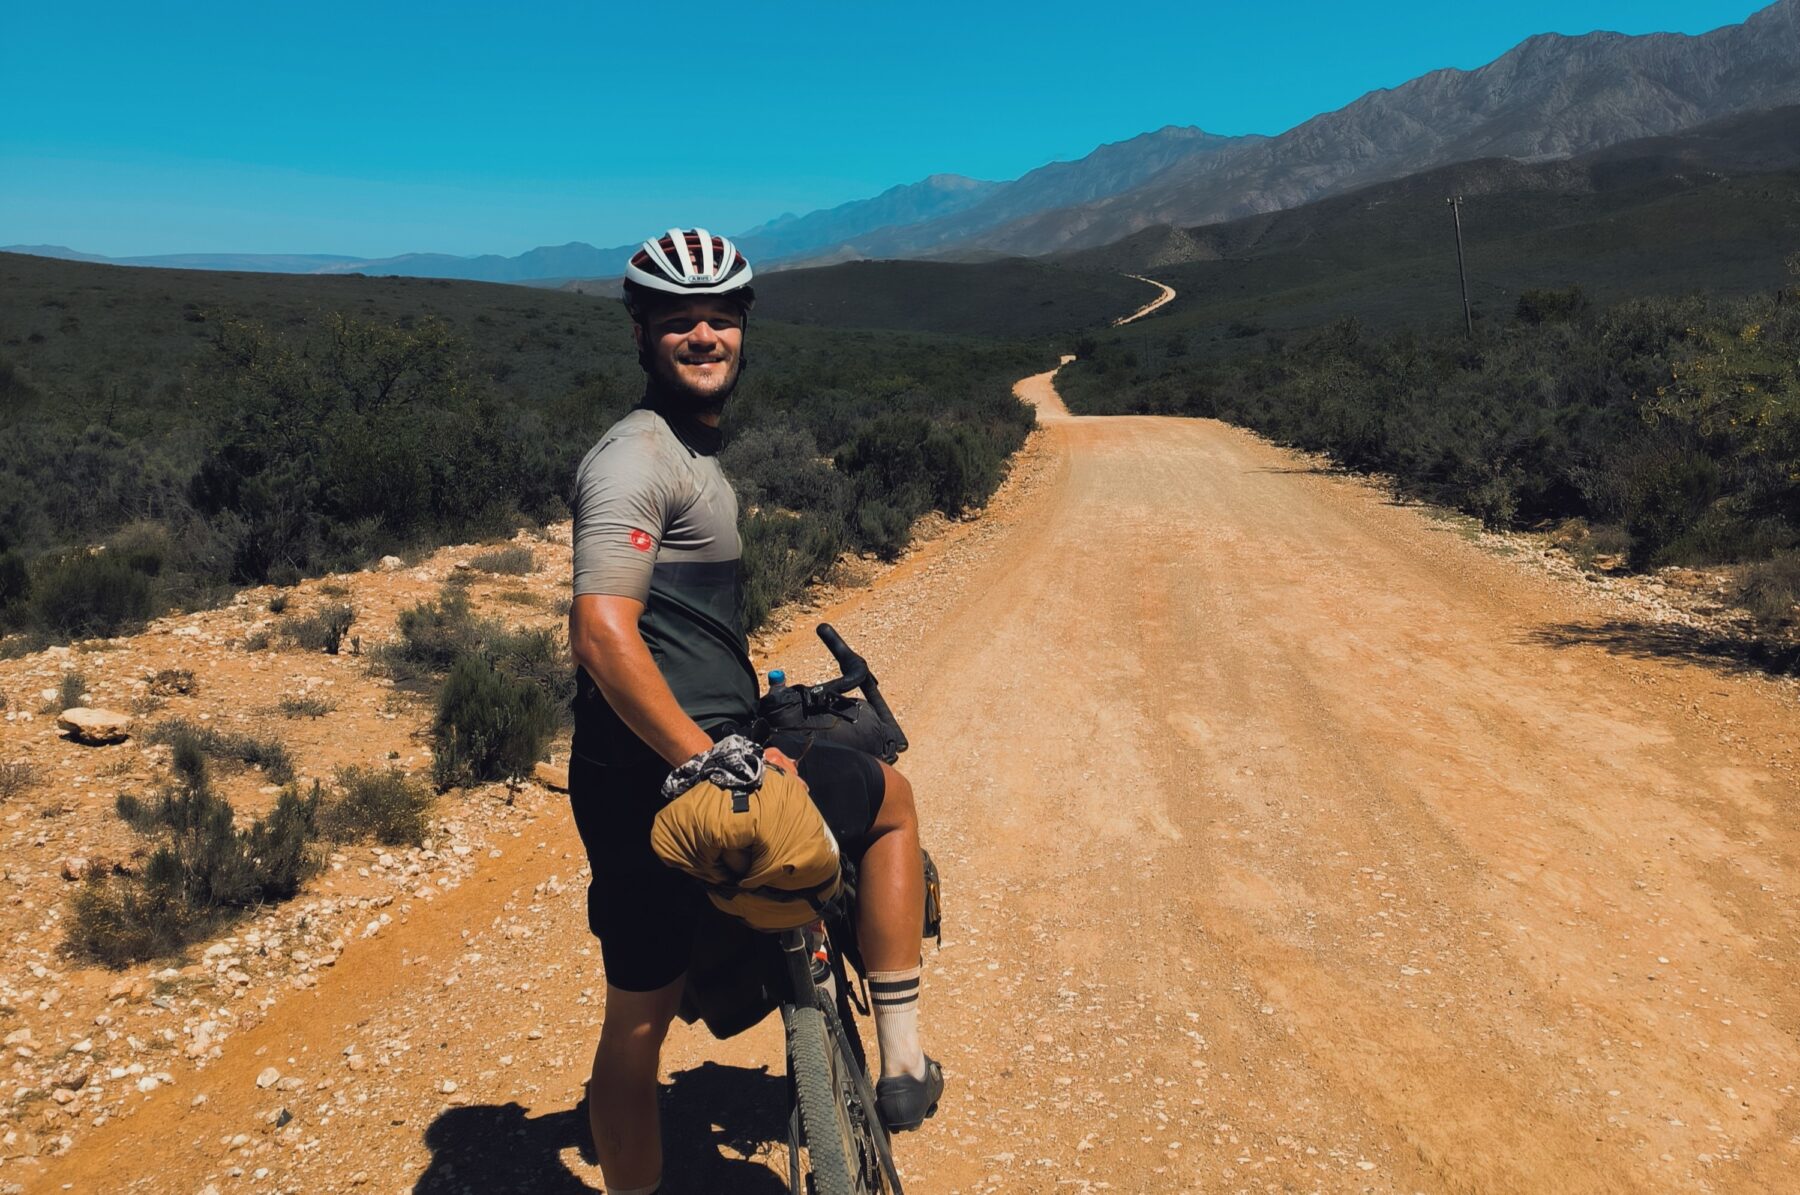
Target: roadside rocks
95, 727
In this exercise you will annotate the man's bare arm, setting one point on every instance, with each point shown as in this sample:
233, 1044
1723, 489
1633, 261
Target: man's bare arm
603, 634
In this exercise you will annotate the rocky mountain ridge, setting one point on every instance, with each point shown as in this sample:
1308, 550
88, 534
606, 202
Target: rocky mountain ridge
1551, 96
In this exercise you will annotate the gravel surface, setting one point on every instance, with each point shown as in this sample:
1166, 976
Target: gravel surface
1292, 840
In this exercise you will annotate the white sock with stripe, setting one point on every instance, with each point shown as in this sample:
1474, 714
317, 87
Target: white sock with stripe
895, 995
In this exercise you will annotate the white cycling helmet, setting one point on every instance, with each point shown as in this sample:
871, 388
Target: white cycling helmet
687, 262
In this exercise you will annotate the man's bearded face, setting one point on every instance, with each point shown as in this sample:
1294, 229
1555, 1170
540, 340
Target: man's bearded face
695, 348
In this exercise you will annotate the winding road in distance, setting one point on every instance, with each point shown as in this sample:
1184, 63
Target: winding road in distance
1167, 296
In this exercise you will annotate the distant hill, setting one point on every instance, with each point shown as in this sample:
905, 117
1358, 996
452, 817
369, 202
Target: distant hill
1015, 297
1109, 170
256, 263
791, 236
1717, 208
1551, 96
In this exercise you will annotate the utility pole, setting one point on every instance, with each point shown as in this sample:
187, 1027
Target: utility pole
1462, 271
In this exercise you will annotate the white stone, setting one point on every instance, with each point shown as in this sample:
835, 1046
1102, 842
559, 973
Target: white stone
96, 727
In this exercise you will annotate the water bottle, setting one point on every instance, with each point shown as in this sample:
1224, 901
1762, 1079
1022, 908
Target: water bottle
777, 680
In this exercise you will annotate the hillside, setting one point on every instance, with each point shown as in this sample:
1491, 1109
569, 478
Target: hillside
1714, 208
1014, 297
1551, 96
218, 429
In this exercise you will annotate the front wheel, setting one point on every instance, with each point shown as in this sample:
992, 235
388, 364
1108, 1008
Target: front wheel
835, 1122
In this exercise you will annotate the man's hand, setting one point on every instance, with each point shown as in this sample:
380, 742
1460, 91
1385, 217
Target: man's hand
779, 758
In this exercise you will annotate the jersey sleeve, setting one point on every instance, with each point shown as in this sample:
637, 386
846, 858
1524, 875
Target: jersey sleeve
624, 498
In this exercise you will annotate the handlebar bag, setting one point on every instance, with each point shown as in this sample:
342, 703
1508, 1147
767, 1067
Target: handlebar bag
765, 856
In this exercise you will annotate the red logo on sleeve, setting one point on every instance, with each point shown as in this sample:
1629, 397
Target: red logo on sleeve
641, 541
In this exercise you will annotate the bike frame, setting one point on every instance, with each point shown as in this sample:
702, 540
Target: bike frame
804, 990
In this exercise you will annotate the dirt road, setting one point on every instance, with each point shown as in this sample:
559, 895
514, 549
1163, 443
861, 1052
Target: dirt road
1291, 842
1167, 296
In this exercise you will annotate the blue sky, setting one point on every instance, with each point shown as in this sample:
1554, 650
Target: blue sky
374, 129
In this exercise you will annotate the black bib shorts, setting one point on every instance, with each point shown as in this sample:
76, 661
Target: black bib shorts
642, 911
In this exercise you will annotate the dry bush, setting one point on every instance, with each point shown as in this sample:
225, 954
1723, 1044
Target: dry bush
305, 706
380, 803
204, 871
322, 631
15, 778
1770, 590
189, 741
174, 682
514, 561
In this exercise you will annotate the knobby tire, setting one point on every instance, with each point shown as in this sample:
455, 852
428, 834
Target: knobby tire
841, 1149
824, 1124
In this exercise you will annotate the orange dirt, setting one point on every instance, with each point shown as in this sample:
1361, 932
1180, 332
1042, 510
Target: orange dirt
1291, 842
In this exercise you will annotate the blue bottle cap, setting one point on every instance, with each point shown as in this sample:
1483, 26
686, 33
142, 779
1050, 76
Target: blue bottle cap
777, 676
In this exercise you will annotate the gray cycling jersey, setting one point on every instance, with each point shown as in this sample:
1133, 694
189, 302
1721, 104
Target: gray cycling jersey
656, 520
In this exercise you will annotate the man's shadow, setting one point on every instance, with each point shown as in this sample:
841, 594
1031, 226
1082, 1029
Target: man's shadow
719, 1124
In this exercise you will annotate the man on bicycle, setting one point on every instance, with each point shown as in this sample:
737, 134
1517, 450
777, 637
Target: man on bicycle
664, 669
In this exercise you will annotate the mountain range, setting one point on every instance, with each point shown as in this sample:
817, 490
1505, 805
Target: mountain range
1550, 97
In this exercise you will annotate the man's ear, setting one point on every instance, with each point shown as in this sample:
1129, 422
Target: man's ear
637, 335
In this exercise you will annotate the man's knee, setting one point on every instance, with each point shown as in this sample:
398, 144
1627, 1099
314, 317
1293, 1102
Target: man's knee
635, 1025
897, 809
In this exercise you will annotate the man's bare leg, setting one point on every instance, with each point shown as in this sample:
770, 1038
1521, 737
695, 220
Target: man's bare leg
891, 901
622, 1109
891, 915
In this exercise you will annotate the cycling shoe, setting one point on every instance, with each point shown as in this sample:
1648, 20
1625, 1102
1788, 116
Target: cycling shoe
904, 1103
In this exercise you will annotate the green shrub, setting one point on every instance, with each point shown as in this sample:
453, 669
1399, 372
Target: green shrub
70, 690
1770, 590
515, 561
489, 726
15, 588
1550, 306
203, 872
782, 553
384, 804
90, 594
323, 630
191, 744
433, 635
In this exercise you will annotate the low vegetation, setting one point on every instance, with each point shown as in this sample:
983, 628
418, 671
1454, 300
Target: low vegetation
515, 561
15, 778
260, 429
384, 804
203, 872
189, 742
304, 705
323, 630
489, 725
1669, 426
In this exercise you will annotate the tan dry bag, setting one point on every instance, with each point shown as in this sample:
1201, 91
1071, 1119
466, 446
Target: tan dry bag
766, 857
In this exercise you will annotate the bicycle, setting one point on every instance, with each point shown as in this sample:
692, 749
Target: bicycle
739, 975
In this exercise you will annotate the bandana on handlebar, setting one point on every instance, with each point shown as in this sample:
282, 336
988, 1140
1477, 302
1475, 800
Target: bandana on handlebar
734, 763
